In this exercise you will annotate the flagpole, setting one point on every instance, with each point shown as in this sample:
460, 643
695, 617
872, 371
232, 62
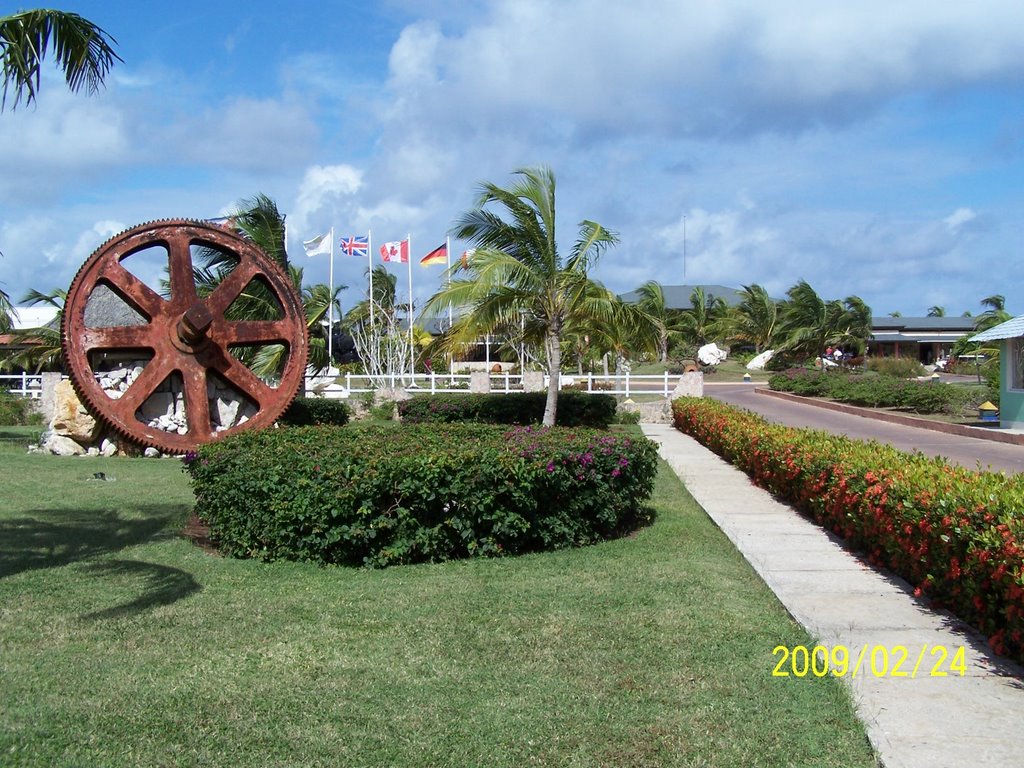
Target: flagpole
448, 273
369, 266
330, 309
412, 351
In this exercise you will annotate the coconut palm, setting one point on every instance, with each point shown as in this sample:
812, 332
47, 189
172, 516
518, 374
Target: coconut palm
258, 220
936, 311
517, 276
384, 299
809, 323
706, 319
994, 314
7, 313
83, 51
38, 348
652, 301
755, 319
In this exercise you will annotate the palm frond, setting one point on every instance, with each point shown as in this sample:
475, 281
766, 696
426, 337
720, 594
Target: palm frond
82, 50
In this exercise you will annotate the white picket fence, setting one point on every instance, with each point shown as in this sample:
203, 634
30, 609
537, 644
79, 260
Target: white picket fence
423, 383
22, 384
31, 385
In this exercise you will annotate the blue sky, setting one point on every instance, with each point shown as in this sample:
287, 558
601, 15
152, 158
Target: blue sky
870, 148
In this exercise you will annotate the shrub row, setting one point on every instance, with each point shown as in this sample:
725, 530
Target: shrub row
306, 411
897, 367
383, 495
955, 535
17, 411
880, 391
574, 409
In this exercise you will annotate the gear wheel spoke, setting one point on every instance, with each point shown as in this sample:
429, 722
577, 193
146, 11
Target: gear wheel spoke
180, 385
133, 290
118, 337
253, 332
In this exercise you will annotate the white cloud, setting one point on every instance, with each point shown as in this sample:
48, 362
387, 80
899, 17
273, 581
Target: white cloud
959, 217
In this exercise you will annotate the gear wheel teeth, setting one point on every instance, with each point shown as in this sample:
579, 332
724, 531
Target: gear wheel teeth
186, 334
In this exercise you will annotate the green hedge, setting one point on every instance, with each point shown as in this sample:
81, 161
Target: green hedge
574, 409
956, 535
17, 411
383, 495
307, 411
881, 391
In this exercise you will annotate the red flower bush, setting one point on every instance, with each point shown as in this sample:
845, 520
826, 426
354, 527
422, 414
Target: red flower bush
956, 535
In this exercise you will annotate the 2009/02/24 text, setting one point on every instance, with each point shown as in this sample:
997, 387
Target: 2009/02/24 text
877, 661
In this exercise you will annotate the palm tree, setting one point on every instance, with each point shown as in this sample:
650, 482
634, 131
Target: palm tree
705, 319
258, 220
39, 348
652, 301
994, 314
756, 318
809, 323
7, 313
936, 311
385, 297
83, 50
517, 276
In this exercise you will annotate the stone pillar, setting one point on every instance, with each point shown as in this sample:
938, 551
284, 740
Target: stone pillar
480, 382
533, 381
49, 396
690, 385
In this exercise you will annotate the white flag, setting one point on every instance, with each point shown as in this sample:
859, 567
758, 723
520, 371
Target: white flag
318, 246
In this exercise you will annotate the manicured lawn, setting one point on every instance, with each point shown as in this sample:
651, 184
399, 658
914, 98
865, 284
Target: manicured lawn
730, 371
121, 643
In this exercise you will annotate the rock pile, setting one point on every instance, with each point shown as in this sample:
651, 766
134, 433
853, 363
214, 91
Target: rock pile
74, 431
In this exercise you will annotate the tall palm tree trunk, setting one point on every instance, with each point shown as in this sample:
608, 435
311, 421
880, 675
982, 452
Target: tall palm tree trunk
553, 349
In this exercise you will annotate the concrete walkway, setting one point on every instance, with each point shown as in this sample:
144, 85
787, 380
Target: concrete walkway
913, 720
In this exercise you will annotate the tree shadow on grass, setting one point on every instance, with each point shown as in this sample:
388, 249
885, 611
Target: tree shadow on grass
49, 538
159, 584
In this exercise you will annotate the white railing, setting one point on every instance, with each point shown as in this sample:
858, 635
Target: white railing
22, 384
627, 384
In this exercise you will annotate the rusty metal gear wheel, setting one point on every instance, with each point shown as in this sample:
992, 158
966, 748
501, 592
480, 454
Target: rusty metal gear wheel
168, 368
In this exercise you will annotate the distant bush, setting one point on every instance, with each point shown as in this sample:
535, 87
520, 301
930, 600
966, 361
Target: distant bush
307, 411
896, 367
879, 391
574, 409
627, 417
17, 411
385, 495
598, 385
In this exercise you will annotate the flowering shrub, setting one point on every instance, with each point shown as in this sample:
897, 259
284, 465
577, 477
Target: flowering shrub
574, 408
381, 495
956, 535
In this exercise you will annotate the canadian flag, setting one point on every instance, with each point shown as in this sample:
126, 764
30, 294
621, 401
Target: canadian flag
395, 251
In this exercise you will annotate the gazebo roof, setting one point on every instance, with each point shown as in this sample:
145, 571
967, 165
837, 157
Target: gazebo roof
1011, 329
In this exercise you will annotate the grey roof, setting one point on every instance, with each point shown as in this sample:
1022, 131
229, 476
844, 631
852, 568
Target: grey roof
913, 338
1011, 329
678, 296
928, 324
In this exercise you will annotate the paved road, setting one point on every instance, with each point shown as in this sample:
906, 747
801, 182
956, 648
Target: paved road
969, 452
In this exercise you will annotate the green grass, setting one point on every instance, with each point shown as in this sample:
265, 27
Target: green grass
728, 372
123, 644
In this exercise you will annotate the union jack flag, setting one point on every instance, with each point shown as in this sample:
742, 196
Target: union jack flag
356, 246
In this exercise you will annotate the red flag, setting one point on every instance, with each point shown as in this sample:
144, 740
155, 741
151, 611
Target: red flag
397, 250
437, 256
